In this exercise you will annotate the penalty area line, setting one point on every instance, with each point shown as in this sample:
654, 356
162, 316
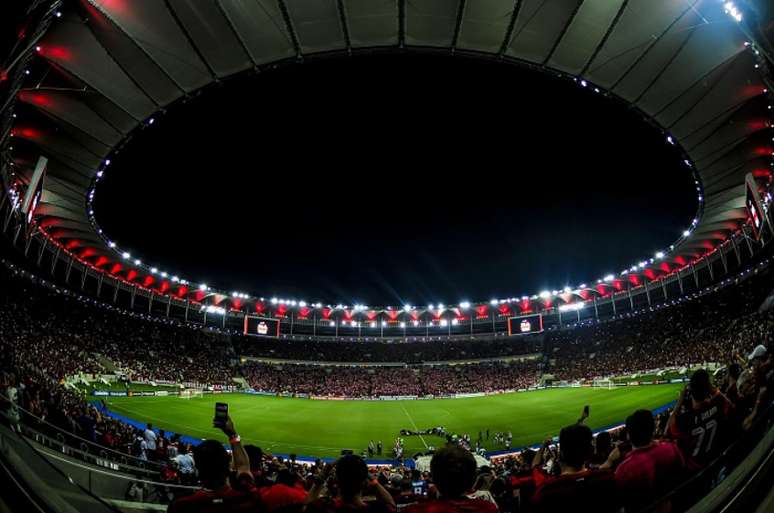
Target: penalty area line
414, 425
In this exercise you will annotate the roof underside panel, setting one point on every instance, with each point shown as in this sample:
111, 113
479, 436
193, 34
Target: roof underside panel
154, 29
148, 75
260, 26
73, 47
67, 106
649, 67
317, 25
584, 34
706, 50
372, 23
640, 25
538, 27
745, 122
431, 22
205, 24
485, 24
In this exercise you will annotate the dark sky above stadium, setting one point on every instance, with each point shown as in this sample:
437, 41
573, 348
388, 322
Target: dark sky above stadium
390, 179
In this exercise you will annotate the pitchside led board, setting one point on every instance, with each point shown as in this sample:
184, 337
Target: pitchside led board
262, 326
525, 324
753, 204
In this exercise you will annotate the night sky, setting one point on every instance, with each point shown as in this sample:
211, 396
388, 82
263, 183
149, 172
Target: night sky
390, 179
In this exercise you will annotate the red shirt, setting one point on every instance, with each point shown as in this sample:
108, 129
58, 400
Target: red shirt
225, 499
591, 491
464, 505
328, 505
281, 495
700, 431
648, 473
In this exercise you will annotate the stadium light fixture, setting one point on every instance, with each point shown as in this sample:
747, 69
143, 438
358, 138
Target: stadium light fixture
126, 255
332, 324
567, 289
415, 322
339, 307
302, 304
493, 302
430, 307
455, 322
203, 286
175, 279
440, 306
609, 277
164, 275
443, 322
465, 305
406, 308
686, 233
733, 11
544, 294
660, 255
154, 270
137, 261
402, 324
384, 324
112, 244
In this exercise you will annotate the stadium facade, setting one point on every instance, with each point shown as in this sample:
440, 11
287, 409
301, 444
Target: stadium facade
85, 76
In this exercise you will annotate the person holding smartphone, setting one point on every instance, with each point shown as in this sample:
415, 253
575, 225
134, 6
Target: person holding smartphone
213, 464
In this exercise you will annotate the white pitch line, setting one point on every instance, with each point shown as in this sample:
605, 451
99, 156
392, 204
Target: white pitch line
414, 425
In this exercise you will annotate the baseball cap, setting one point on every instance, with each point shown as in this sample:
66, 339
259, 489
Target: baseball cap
759, 352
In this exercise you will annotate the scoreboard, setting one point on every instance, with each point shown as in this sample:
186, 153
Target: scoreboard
525, 324
261, 326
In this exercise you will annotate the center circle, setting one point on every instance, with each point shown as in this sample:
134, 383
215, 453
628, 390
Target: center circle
395, 178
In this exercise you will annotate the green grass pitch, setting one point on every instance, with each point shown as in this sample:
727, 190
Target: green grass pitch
323, 428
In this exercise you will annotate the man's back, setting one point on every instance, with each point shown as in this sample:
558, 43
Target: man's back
463, 505
649, 472
586, 491
701, 431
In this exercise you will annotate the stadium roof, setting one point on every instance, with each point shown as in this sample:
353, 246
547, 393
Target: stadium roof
104, 68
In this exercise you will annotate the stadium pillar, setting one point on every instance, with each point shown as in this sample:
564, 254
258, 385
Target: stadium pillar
596, 309
69, 270
314, 325
99, 284
169, 305
680, 282
187, 306
84, 273
116, 286
736, 250
695, 275
224, 318
724, 260
663, 288
612, 300
55, 259
560, 317
16, 235
336, 325
631, 299
711, 271
747, 238
494, 329
150, 302
647, 293
27, 244
41, 250
131, 299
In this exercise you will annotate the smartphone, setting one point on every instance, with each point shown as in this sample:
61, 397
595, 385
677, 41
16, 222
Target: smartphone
420, 488
586, 410
221, 414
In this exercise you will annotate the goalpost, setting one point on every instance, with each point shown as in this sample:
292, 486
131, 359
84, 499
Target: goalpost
604, 383
191, 393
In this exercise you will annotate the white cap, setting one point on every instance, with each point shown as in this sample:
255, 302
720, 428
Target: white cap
758, 352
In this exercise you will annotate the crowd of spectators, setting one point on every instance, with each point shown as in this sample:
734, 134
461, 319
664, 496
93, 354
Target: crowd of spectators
353, 381
395, 351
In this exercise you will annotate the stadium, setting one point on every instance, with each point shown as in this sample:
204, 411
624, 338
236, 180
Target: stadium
131, 383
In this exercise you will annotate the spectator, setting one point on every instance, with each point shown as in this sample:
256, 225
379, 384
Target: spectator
213, 464
453, 471
577, 488
650, 469
352, 480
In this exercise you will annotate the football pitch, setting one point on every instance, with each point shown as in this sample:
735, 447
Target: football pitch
318, 428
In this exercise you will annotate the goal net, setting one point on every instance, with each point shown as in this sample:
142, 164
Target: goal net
604, 383
191, 393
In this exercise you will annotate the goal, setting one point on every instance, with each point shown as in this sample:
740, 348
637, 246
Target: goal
604, 383
191, 393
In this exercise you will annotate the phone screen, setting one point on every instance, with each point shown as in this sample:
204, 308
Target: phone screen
586, 409
420, 487
221, 414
